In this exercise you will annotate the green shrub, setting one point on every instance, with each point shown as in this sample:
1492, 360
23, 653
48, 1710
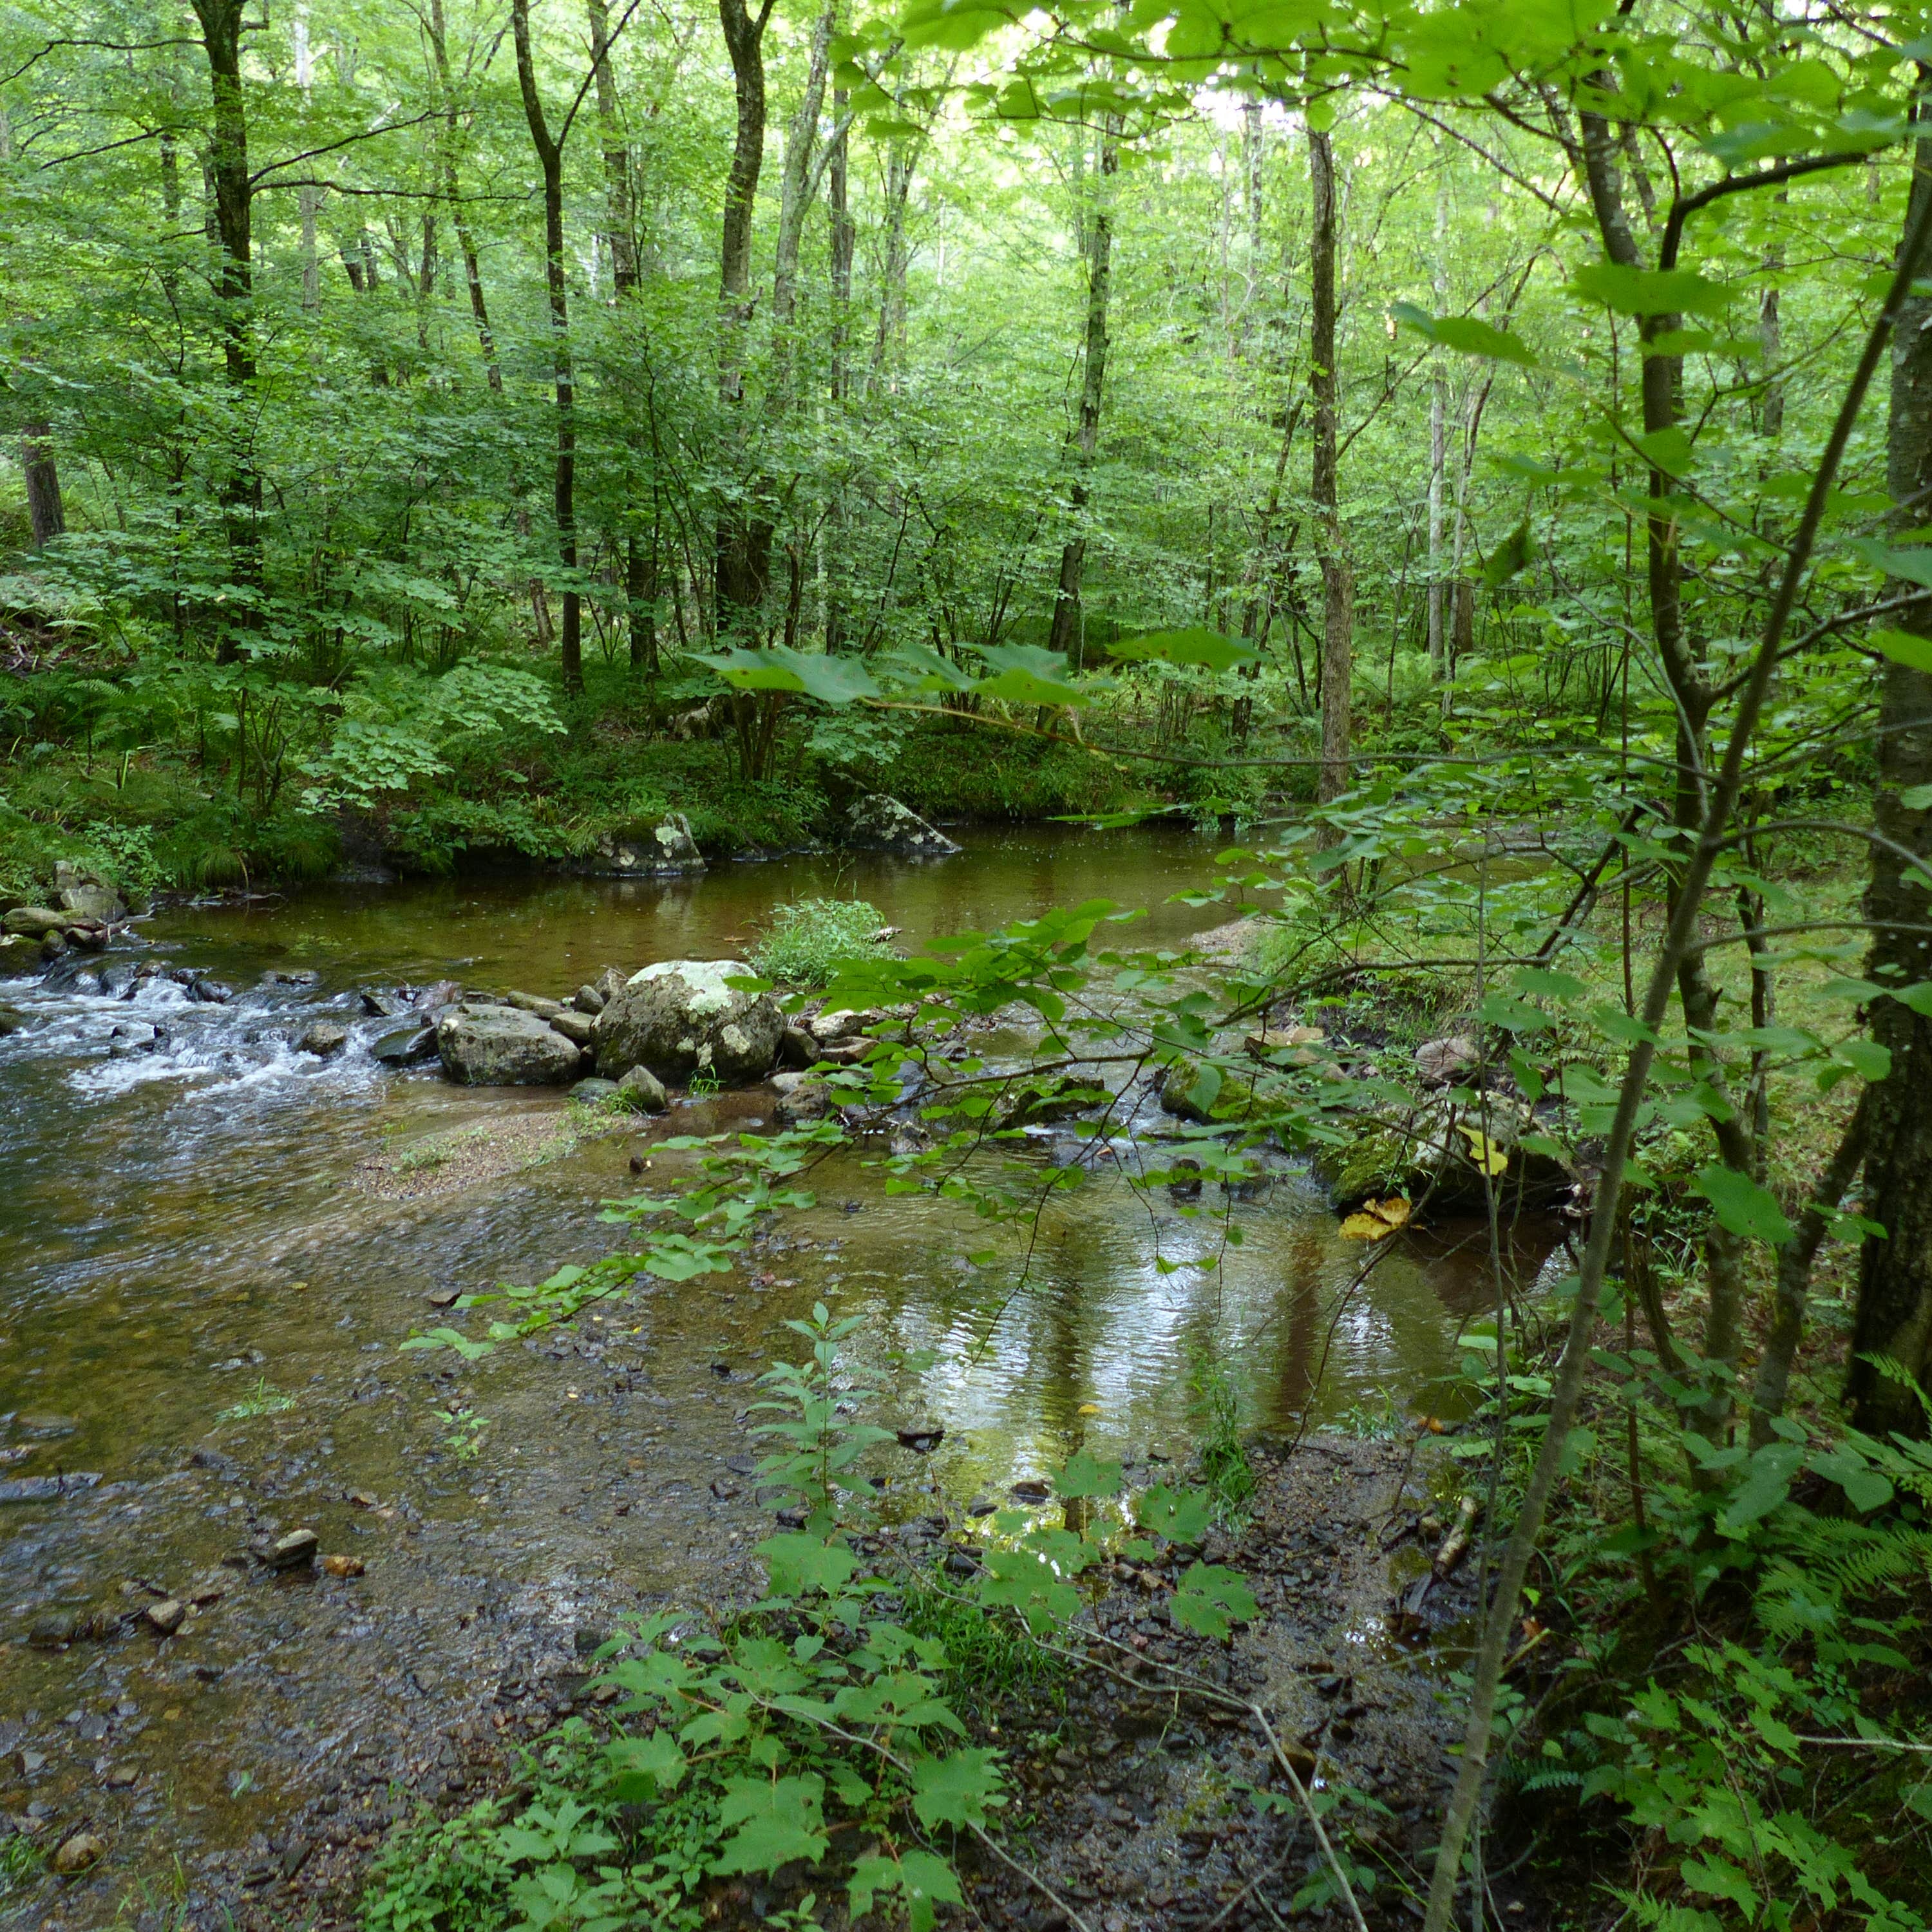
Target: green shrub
804, 942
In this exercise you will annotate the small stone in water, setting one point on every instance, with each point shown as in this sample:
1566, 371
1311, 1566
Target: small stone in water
120, 1776
295, 1551
324, 1038
78, 1853
443, 1298
343, 1566
167, 1617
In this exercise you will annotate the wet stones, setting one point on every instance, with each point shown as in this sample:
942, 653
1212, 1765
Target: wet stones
642, 1091
502, 1046
132, 1037
580, 1029
680, 1017
295, 1551
79, 1853
878, 823
165, 1618
405, 1046
46, 1488
324, 1039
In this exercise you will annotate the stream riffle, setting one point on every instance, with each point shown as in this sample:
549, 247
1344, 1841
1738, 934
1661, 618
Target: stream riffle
210, 1251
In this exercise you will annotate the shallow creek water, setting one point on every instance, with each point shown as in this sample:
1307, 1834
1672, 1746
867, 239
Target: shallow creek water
229, 1223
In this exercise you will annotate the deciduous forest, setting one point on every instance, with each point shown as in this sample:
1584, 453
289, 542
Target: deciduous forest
1378, 1366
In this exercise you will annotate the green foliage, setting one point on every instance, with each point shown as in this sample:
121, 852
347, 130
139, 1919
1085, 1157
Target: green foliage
805, 941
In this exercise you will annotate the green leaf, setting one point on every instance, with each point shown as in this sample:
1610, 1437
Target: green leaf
448, 1338
921, 1880
1514, 553
1467, 334
1646, 292
1195, 646
1181, 1516
1211, 1599
832, 680
1910, 566
1767, 1482
801, 1564
1086, 1475
643, 1768
956, 1790
1721, 1880
1742, 1206
1902, 647
778, 1819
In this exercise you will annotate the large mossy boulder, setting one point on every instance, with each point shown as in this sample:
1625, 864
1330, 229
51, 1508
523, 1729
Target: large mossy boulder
680, 1018
499, 1046
878, 823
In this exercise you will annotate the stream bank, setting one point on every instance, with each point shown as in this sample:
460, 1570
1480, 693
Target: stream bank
212, 1254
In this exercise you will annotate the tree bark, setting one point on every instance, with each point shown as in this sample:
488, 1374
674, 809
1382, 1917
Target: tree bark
549, 157
801, 144
1068, 633
843, 240
1894, 1313
46, 515
620, 221
742, 568
466, 238
1338, 582
221, 22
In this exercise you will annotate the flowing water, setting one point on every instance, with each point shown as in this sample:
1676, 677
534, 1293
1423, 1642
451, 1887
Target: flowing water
210, 1253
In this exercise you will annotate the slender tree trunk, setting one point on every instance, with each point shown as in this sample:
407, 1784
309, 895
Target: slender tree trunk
843, 242
1724, 1250
801, 145
1067, 636
221, 22
466, 239
549, 156
1438, 412
889, 343
46, 515
1894, 1314
1338, 582
744, 543
620, 220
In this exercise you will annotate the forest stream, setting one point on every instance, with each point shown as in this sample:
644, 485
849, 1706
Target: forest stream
213, 1252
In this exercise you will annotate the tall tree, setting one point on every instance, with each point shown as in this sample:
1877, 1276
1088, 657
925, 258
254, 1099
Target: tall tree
232, 195
549, 157
1338, 579
1894, 1313
744, 539
47, 514
1068, 632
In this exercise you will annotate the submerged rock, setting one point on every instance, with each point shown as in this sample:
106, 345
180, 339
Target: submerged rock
404, 1045
324, 1038
878, 823
1041, 1103
499, 1046
642, 1091
593, 1090
680, 1017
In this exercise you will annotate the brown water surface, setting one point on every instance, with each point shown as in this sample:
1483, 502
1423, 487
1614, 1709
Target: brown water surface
209, 1256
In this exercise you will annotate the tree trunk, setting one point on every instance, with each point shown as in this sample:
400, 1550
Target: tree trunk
221, 22
889, 344
46, 513
466, 239
1724, 1250
1338, 582
801, 142
744, 543
1894, 1314
1068, 633
549, 156
1438, 413
620, 222
843, 242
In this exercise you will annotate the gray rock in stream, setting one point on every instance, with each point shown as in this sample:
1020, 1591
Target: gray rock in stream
667, 850
642, 1091
405, 1046
324, 1038
680, 1017
878, 823
499, 1046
